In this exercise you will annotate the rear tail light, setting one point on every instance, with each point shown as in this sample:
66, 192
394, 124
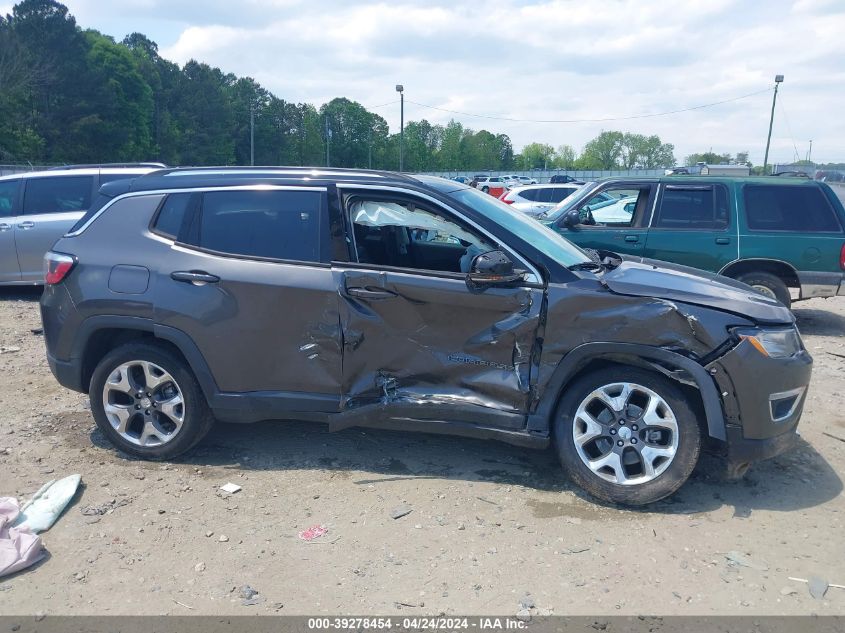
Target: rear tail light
57, 266
842, 258
504, 197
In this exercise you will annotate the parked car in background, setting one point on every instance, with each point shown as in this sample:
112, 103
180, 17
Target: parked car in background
511, 180
564, 178
37, 208
494, 185
526, 180
774, 234
461, 179
536, 199
357, 298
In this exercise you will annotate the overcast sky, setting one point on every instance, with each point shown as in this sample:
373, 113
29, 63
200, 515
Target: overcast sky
531, 60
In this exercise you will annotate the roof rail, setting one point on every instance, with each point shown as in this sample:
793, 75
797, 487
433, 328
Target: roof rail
107, 165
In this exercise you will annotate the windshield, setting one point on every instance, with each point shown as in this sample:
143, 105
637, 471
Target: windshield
527, 229
570, 201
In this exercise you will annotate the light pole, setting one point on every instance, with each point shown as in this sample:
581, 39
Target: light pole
252, 134
328, 140
810, 152
401, 90
778, 80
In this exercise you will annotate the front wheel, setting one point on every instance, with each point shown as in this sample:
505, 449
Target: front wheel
627, 435
485, 189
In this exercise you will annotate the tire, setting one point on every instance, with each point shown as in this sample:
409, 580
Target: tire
672, 456
485, 189
767, 284
167, 423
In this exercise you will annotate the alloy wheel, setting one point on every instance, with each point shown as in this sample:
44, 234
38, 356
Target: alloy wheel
625, 433
143, 403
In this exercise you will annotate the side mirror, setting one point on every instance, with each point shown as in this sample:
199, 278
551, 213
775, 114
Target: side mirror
572, 218
492, 268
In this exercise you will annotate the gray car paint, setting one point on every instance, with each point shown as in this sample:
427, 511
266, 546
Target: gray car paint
282, 340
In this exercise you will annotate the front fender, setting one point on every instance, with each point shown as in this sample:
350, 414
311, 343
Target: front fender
541, 419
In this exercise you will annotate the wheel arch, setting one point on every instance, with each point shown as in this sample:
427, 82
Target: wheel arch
101, 334
781, 269
691, 376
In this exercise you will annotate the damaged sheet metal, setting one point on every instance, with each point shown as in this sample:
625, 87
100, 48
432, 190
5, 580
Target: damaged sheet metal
423, 340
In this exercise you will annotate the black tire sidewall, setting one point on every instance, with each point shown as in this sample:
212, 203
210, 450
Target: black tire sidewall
689, 438
770, 281
197, 420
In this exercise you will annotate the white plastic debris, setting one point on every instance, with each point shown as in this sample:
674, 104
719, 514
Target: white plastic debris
230, 488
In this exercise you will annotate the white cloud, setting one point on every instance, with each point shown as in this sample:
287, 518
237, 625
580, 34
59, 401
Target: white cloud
532, 60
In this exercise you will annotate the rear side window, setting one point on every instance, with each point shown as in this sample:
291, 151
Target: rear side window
266, 224
169, 220
61, 194
803, 209
8, 196
530, 194
701, 208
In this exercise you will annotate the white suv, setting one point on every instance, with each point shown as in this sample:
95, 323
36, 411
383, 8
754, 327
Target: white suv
38, 207
536, 199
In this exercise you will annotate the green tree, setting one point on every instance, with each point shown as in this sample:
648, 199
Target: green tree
115, 117
565, 157
648, 152
603, 152
537, 156
710, 158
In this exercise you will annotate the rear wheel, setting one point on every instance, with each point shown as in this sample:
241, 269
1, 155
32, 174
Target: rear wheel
147, 402
627, 435
767, 284
485, 189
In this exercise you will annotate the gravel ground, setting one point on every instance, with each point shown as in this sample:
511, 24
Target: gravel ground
491, 528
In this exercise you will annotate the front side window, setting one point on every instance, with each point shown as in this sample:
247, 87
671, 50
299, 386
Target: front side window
615, 206
404, 235
693, 207
802, 209
60, 194
262, 224
8, 196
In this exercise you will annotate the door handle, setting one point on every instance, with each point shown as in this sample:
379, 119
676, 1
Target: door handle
26, 225
5, 227
196, 277
367, 293
723, 240
632, 238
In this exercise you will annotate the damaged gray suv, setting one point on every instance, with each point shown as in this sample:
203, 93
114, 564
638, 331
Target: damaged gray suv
364, 298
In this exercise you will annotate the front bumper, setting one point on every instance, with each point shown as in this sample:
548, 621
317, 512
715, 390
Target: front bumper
763, 399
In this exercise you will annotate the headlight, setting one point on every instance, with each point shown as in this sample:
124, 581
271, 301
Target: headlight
774, 343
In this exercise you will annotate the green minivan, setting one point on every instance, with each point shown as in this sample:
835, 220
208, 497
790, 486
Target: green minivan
772, 233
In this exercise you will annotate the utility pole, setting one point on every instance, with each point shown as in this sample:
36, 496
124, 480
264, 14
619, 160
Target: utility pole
370, 151
328, 140
778, 81
252, 133
810, 152
401, 90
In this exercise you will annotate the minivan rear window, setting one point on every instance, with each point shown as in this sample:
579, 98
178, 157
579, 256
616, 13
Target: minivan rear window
803, 209
58, 194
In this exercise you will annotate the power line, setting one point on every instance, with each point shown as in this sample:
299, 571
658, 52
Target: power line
601, 120
381, 105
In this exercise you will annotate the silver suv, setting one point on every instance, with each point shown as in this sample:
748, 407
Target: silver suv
37, 208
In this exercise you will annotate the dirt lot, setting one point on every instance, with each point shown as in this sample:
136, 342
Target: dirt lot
491, 526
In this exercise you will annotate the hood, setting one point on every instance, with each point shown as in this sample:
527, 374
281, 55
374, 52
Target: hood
651, 278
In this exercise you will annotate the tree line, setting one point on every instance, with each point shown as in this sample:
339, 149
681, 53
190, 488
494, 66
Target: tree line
73, 95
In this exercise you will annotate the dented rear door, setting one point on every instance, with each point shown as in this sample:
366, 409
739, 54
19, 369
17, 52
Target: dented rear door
424, 346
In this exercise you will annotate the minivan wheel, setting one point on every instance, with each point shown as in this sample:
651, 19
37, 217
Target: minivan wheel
767, 284
626, 435
147, 402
